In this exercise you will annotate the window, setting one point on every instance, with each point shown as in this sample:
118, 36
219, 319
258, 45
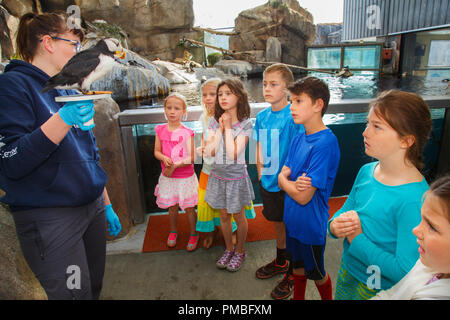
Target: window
439, 53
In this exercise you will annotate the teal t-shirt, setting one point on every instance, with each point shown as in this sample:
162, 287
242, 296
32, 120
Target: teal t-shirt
388, 215
275, 131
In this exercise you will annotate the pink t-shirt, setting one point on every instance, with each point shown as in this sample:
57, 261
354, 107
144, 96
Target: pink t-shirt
174, 144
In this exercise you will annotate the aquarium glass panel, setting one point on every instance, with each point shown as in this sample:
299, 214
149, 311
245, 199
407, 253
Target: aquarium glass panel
362, 57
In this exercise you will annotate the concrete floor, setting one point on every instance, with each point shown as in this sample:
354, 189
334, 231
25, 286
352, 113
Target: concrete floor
182, 275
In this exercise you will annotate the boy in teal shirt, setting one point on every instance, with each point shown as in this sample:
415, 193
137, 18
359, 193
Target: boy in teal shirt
274, 130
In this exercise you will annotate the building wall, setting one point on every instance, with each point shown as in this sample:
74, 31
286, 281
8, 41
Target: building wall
371, 18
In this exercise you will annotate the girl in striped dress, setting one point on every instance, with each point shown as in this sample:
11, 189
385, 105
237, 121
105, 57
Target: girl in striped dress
229, 186
208, 219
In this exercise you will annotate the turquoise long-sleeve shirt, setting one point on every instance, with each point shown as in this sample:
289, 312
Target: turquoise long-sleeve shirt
388, 215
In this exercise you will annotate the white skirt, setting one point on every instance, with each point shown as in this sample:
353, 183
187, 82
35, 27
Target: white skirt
181, 191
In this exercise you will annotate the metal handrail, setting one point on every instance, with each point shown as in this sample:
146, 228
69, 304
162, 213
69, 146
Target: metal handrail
156, 115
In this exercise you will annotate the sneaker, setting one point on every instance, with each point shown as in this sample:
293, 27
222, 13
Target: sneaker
271, 269
236, 262
284, 288
224, 259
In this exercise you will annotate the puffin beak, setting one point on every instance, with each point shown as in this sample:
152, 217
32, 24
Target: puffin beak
121, 54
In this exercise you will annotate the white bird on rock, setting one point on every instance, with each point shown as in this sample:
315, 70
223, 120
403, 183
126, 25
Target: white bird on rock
87, 66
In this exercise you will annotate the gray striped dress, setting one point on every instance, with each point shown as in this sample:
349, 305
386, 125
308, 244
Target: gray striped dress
229, 185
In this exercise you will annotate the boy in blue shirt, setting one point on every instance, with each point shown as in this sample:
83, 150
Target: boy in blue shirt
307, 178
274, 131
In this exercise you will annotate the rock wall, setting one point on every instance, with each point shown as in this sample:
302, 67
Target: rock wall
289, 23
328, 33
154, 27
108, 138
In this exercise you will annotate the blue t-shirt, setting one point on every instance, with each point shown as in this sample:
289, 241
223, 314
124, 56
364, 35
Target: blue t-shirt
275, 131
388, 215
318, 156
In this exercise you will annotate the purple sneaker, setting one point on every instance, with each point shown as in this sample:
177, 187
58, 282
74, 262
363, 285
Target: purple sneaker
224, 259
236, 262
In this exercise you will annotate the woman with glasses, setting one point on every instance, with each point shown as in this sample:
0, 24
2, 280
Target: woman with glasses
49, 165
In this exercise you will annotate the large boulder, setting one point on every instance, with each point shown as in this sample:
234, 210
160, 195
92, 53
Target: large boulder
175, 72
239, 68
18, 7
154, 27
134, 78
17, 281
292, 25
108, 138
326, 33
8, 26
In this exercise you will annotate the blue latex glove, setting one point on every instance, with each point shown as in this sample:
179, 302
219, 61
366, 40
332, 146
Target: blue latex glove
113, 221
77, 113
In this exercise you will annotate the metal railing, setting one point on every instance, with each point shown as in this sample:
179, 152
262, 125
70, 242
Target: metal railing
129, 118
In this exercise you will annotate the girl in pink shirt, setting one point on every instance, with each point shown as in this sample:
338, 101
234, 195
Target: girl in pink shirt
177, 185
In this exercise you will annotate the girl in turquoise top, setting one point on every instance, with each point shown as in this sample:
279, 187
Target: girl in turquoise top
383, 206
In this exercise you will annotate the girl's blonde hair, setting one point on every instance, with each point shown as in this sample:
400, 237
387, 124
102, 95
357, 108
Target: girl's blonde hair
178, 96
213, 82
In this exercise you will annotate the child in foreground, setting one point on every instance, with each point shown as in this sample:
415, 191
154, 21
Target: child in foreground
177, 185
313, 157
384, 203
430, 277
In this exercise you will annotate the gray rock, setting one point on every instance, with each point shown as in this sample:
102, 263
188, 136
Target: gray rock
132, 82
17, 281
292, 25
108, 138
154, 27
238, 68
273, 50
18, 7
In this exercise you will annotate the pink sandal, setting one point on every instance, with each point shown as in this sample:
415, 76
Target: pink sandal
172, 240
193, 242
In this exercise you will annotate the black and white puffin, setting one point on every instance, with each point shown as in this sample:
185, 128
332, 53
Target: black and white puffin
87, 66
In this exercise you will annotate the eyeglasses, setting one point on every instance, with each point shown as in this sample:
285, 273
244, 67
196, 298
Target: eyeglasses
75, 42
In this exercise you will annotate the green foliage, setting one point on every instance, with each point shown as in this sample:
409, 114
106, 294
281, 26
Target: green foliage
276, 4
110, 30
213, 58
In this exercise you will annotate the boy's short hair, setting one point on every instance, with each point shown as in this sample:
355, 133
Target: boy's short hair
286, 73
314, 88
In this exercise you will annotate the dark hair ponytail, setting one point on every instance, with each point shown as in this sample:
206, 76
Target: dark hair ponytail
32, 27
